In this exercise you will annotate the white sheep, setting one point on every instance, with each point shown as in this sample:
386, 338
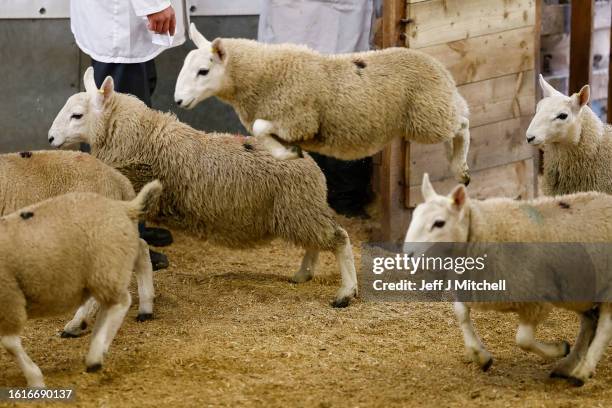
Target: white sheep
29, 177
43, 272
347, 106
224, 188
582, 217
577, 145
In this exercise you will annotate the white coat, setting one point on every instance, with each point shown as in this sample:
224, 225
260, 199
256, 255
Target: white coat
115, 31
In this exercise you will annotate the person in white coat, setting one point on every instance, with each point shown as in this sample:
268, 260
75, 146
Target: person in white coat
123, 37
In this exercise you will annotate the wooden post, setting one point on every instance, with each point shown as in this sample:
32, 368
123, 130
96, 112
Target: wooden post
395, 216
581, 44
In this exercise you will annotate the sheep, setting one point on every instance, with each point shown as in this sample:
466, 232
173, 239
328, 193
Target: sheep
220, 187
30, 177
577, 145
581, 217
44, 273
347, 106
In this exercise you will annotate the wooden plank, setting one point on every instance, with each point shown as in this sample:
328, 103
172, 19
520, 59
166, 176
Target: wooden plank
513, 180
491, 146
603, 12
394, 216
581, 44
500, 98
555, 19
442, 21
488, 56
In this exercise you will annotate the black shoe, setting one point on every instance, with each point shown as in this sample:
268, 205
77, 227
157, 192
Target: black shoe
158, 237
158, 260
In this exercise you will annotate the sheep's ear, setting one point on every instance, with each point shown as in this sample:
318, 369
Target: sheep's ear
106, 91
582, 98
218, 50
427, 189
89, 81
198, 39
458, 197
547, 89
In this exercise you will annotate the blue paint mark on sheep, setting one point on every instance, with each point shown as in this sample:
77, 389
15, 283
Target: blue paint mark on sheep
533, 213
26, 215
25, 155
564, 205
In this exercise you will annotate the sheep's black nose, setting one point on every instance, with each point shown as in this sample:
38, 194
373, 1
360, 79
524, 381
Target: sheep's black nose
179, 102
51, 139
530, 139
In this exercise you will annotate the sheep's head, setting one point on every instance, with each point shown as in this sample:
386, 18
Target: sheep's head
76, 122
557, 117
203, 71
440, 218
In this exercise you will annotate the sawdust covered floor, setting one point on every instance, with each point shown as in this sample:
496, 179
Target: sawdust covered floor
230, 330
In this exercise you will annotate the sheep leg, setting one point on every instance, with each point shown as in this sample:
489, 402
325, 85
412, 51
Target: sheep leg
266, 132
307, 269
603, 334
525, 339
82, 320
461, 146
144, 278
32, 373
346, 262
588, 323
107, 324
475, 350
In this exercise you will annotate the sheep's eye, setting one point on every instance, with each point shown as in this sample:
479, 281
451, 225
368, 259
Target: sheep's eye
438, 224
76, 116
561, 116
203, 72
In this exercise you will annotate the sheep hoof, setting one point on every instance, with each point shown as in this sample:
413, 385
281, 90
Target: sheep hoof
559, 374
143, 317
341, 303
68, 335
297, 150
576, 382
301, 278
94, 368
485, 367
566, 348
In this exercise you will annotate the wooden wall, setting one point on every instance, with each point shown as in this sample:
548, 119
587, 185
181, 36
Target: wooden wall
489, 46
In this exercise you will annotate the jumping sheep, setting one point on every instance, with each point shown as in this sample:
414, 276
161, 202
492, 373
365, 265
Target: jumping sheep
27, 178
222, 187
582, 217
346, 106
43, 272
577, 145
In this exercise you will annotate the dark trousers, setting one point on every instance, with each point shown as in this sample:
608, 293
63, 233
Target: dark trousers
137, 79
349, 187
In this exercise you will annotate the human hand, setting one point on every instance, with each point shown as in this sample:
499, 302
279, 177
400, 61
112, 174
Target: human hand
163, 21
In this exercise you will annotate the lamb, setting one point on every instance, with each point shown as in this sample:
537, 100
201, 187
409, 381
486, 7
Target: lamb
347, 106
581, 217
577, 145
27, 178
43, 273
221, 187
